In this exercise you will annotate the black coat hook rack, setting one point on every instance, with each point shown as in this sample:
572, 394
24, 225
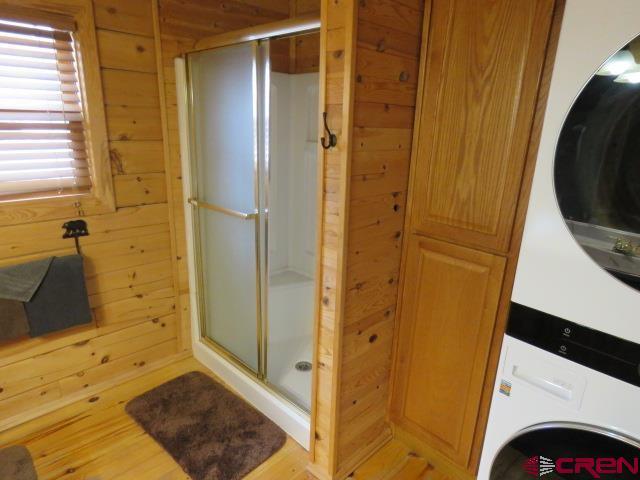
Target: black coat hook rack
75, 229
333, 139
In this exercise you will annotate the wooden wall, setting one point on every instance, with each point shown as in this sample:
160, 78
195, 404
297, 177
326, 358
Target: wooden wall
296, 54
388, 44
130, 254
371, 62
337, 44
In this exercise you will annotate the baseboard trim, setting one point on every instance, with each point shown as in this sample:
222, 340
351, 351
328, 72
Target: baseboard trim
317, 473
355, 462
431, 455
361, 457
16, 420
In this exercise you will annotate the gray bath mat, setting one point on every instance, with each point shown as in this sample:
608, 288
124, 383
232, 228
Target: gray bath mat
16, 464
209, 431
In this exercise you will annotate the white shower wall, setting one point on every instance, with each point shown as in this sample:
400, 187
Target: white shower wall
293, 173
292, 231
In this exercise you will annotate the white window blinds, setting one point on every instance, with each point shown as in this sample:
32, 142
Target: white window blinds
42, 144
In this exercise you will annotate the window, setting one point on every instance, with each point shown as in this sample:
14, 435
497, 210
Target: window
42, 140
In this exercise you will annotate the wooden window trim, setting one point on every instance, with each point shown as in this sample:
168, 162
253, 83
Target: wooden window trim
101, 198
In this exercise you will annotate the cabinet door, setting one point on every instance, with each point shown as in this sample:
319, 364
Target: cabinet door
483, 64
449, 305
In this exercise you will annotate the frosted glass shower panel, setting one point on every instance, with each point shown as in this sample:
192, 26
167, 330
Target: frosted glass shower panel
224, 118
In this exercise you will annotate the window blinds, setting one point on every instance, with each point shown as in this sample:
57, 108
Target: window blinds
42, 142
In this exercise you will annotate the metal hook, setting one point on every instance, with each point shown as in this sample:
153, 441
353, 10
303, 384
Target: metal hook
333, 139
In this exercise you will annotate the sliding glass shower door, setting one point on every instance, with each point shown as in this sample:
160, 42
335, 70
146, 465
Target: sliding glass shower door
225, 148
253, 156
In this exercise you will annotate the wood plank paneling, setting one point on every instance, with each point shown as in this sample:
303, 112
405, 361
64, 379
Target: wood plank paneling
337, 68
128, 256
142, 189
124, 16
307, 53
199, 18
398, 16
132, 89
385, 89
365, 180
32, 383
136, 157
357, 316
125, 51
390, 40
126, 122
28, 239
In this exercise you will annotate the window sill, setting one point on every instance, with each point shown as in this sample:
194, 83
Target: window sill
41, 210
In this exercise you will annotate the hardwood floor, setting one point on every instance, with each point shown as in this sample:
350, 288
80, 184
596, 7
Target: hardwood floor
95, 439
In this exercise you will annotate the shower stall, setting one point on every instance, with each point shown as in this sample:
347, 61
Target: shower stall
249, 141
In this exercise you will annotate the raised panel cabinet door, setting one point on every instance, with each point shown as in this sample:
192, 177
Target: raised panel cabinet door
483, 65
448, 311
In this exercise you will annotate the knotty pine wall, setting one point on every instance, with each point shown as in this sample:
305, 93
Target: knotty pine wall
386, 78
130, 258
372, 62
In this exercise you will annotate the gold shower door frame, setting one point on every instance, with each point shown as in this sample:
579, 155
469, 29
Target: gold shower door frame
259, 37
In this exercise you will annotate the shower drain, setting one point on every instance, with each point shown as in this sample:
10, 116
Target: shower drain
303, 366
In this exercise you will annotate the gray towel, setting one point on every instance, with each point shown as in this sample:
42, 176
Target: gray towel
13, 320
61, 301
20, 282
16, 464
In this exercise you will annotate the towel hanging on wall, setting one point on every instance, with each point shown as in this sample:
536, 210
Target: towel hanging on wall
20, 282
13, 320
61, 301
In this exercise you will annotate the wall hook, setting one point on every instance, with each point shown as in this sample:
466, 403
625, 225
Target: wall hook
75, 229
333, 139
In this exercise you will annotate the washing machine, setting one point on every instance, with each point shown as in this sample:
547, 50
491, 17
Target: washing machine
565, 403
567, 393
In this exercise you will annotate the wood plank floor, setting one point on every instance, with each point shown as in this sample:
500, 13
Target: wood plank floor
95, 439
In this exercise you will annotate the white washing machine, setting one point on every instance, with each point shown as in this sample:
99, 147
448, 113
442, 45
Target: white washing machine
567, 393
565, 405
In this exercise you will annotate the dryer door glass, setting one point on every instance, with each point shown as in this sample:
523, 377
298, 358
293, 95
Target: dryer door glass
597, 166
565, 450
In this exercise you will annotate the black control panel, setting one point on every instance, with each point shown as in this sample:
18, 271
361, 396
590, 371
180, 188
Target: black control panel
594, 349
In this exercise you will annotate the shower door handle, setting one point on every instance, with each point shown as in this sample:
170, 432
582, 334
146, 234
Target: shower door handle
226, 211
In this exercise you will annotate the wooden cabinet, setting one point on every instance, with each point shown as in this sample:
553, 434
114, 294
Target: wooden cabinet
483, 64
478, 122
448, 311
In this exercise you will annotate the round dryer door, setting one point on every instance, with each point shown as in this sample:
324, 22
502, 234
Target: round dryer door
597, 166
567, 451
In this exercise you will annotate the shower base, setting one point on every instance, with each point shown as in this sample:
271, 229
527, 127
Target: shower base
291, 297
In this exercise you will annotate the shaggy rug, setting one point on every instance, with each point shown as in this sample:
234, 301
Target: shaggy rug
16, 464
212, 433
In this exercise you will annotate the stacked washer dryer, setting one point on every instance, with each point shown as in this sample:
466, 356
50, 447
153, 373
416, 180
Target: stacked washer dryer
566, 402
